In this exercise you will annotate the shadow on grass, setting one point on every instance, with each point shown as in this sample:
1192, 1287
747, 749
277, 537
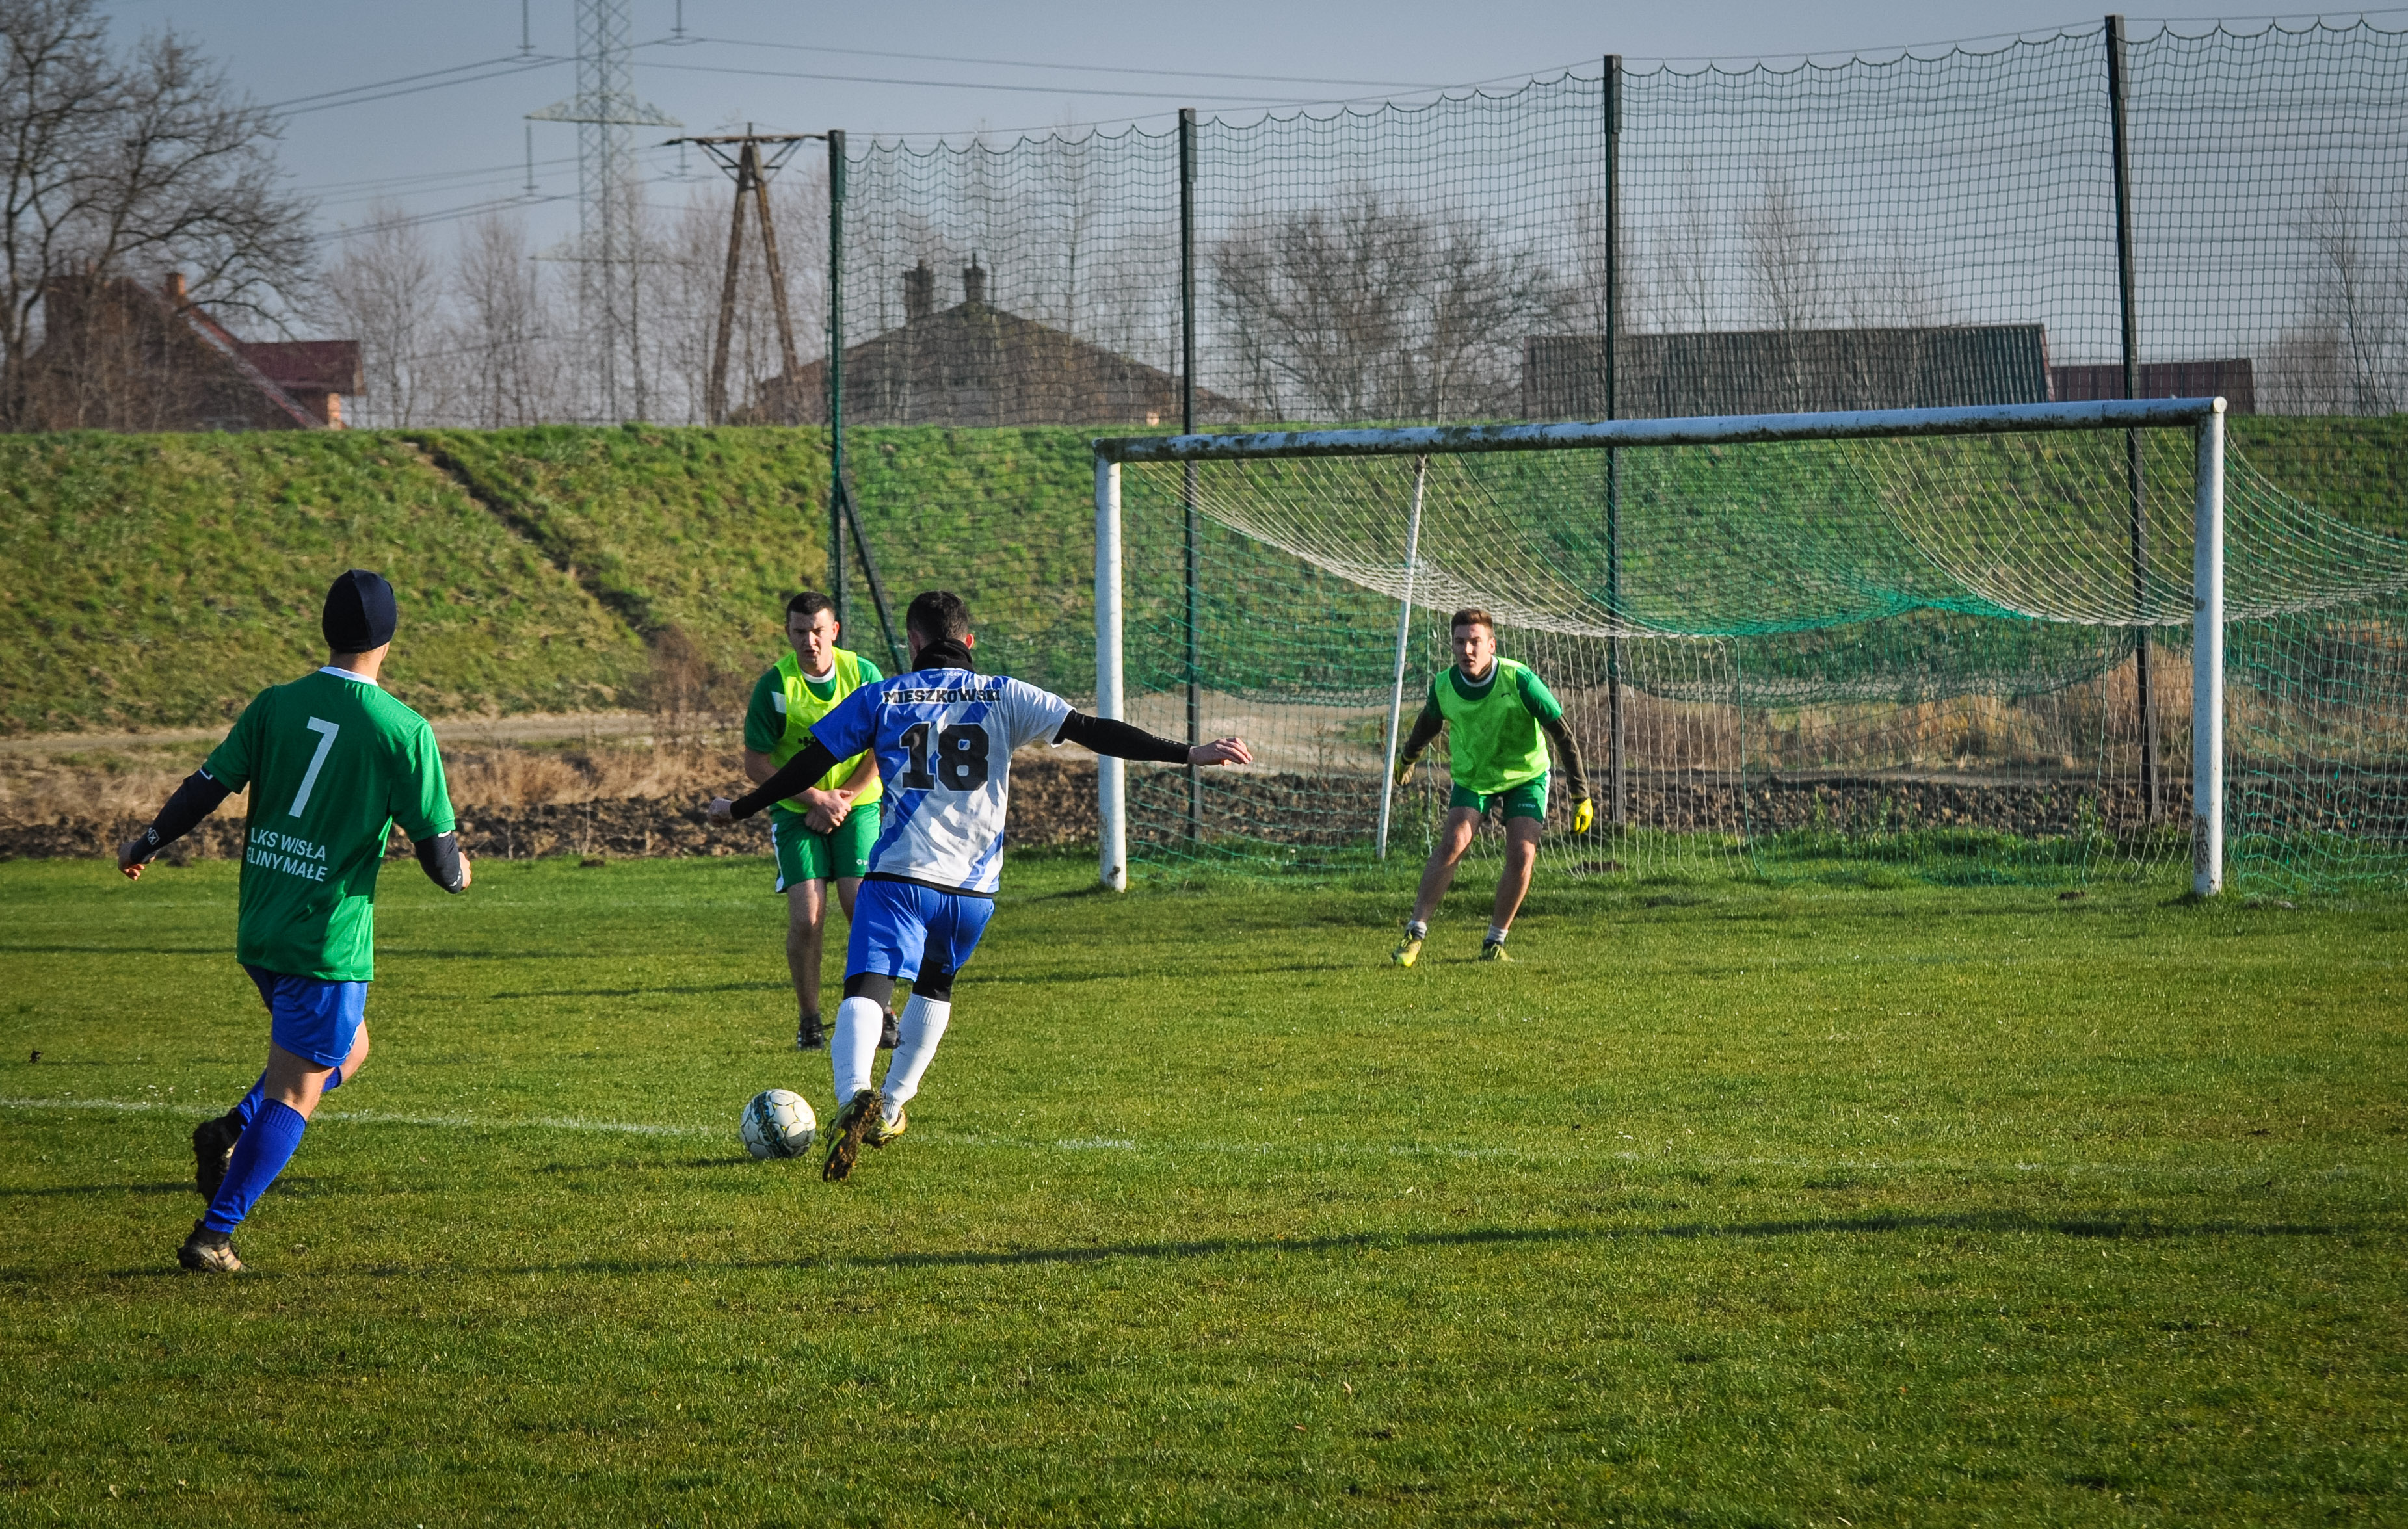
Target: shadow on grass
643, 992
183, 1186
2103, 1226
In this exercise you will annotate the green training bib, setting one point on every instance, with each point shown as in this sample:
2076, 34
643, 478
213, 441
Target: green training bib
804, 709
1493, 741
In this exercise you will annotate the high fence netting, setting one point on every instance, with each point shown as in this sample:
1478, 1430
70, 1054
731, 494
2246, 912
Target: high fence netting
1786, 659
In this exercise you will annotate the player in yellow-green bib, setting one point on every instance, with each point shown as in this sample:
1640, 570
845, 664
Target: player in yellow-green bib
1498, 718
331, 762
825, 833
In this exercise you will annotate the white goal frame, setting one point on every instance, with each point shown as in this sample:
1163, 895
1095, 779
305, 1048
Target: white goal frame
2205, 416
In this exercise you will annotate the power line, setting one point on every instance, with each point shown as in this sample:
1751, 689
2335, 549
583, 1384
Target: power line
960, 84
354, 99
442, 216
515, 167
397, 80
1083, 68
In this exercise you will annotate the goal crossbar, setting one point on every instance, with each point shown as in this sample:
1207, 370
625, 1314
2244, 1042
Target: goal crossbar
2206, 416
1707, 430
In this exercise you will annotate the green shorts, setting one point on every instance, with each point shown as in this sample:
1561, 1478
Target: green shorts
804, 856
1527, 800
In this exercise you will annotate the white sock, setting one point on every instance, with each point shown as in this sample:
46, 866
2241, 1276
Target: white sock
854, 1049
919, 1029
1495, 935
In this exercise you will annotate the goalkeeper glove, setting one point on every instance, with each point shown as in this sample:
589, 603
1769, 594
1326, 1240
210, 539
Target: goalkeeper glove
1404, 771
1584, 814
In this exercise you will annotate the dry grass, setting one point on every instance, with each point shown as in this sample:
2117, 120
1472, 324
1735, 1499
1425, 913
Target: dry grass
108, 784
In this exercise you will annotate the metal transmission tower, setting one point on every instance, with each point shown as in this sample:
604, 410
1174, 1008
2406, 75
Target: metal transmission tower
609, 263
740, 154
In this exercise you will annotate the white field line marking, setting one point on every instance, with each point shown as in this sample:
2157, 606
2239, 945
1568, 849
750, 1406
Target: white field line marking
370, 1117
1211, 1149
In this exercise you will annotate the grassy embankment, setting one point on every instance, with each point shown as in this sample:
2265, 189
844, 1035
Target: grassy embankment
1723, 1204
158, 581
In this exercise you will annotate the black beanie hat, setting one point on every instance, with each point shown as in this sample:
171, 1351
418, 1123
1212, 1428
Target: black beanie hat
360, 613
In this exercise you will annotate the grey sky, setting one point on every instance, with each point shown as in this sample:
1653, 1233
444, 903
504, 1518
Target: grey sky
460, 144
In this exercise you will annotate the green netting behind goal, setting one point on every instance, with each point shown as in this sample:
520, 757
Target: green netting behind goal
1818, 656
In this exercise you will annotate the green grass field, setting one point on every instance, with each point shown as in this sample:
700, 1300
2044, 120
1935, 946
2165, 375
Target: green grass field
1725, 1205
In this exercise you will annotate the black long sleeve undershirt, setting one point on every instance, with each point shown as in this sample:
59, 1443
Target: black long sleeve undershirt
1119, 741
440, 858
1102, 735
199, 796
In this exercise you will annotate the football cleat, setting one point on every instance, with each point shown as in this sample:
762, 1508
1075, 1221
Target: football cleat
1493, 949
878, 1133
208, 1253
810, 1036
844, 1134
888, 1036
212, 1150
1409, 952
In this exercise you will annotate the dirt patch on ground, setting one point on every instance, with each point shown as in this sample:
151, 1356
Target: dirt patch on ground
1053, 802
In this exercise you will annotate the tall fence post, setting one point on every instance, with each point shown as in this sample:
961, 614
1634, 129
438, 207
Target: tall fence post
1404, 640
835, 372
1193, 655
2207, 662
1111, 786
2119, 84
1616, 773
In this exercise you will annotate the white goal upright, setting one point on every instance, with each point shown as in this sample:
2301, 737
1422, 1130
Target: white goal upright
1655, 537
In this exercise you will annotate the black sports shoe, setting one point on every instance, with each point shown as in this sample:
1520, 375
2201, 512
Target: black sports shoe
808, 1034
208, 1253
212, 1150
888, 1036
844, 1134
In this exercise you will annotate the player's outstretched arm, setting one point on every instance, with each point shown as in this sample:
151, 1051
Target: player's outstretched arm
812, 763
1119, 741
196, 798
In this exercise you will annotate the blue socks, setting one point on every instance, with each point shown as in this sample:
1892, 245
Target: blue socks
268, 1143
249, 1109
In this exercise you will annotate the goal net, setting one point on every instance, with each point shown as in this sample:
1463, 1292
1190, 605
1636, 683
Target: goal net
1950, 644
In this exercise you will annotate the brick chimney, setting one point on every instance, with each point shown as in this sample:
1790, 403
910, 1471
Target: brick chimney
974, 282
175, 288
919, 293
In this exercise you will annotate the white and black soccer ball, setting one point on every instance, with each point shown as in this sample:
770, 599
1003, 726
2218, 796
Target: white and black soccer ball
778, 1122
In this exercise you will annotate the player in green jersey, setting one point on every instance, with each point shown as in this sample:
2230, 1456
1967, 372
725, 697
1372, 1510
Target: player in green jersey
332, 764
825, 833
1499, 718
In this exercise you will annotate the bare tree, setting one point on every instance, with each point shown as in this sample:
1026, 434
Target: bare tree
387, 292
1365, 309
685, 269
500, 327
2355, 302
1791, 258
126, 164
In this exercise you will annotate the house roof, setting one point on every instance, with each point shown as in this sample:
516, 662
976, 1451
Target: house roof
307, 365
976, 364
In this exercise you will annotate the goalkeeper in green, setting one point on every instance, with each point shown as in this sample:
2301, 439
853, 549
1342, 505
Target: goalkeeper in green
1495, 711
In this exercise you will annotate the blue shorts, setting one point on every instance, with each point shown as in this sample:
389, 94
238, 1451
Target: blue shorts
312, 1019
899, 927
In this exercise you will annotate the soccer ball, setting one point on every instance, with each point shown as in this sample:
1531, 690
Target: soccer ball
777, 1124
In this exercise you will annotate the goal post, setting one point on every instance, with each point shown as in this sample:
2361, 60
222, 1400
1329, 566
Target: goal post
2203, 416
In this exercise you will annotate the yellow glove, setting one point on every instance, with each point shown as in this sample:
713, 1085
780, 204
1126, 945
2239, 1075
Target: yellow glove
1584, 814
1404, 771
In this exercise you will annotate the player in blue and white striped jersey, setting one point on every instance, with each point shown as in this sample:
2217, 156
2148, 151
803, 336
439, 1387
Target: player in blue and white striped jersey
944, 735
